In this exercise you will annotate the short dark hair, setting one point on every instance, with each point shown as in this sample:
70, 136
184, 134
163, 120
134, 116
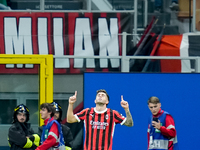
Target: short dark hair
49, 108
154, 100
104, 91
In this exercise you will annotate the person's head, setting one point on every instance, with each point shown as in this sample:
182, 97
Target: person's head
102, 97
21, 114
154, 105
58, 113
47, 110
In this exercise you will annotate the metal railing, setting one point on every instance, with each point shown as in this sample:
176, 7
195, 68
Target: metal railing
125, 60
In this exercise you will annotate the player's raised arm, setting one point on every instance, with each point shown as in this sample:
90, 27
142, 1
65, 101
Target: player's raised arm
70, 114
129, 119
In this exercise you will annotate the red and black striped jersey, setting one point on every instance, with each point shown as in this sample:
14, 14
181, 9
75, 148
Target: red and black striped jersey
99, 127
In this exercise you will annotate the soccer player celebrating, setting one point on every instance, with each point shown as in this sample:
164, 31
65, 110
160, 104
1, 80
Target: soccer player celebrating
99, 121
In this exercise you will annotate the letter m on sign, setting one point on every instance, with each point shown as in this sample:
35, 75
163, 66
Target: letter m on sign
18, 38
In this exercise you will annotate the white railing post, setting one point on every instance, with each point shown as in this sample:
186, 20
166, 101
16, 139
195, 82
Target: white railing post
197, 65
145, 13
42, 3
124, 60
89, 5
135, 22
194, 16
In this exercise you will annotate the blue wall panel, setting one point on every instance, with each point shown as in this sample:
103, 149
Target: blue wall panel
179, 95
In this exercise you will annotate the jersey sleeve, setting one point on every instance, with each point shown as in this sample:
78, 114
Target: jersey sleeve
51, 139
169, 128
119, 118
81, 115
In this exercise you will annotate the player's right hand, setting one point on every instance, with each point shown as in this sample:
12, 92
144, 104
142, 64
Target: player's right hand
72, 99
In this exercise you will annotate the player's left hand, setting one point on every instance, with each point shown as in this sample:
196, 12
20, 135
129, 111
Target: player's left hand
124, 103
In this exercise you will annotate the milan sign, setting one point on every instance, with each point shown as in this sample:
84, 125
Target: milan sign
88, 34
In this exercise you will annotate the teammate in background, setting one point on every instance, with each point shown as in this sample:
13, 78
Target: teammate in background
99, 121
21, 135
52, 137
68, 138
161, 128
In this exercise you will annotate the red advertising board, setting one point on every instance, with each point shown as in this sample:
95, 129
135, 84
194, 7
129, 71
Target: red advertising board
61, 34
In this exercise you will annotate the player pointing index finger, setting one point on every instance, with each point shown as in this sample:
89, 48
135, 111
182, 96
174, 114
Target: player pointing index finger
75, 94
94, 120
124, 103
122, 97
72, 99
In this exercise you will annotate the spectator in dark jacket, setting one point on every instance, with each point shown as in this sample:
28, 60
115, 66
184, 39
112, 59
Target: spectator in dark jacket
20, 135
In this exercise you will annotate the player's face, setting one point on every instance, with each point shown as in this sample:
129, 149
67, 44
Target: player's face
101, 98
56, 115
154, 108
21, 117
45, 114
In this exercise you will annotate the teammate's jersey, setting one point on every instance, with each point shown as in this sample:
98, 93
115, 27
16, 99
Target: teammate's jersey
99, 127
